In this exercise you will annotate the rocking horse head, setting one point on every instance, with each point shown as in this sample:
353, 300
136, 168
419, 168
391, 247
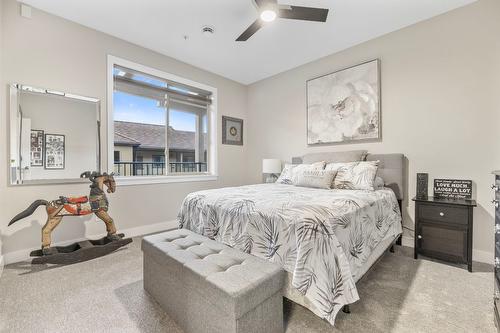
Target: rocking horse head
101, 179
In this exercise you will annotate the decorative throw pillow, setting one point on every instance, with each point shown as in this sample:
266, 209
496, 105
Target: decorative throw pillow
290, 171
355, 176
286, 174
316, 178
306, 167
379, 183
336, 166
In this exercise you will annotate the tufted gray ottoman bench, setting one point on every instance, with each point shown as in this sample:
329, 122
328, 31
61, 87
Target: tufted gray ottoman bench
206, 286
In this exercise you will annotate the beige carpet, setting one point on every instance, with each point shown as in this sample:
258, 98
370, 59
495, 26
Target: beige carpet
106, 295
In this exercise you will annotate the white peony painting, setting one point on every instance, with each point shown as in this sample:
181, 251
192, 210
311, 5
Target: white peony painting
344, 106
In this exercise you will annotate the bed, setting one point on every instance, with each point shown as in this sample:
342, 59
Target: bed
326, 240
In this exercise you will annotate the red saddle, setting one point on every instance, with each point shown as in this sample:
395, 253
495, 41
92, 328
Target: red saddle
73, 206
77, 200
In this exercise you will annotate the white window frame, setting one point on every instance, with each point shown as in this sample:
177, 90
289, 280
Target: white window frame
212, 127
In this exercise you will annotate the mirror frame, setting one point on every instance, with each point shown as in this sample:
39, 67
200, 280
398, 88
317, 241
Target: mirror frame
15, 178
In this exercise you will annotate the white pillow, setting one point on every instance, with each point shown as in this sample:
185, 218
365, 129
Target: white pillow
354, 175
315, 178
290, 171
336, 166
286, 175
378, 183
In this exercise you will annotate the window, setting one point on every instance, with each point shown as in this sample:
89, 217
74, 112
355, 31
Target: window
158, 158
138, 166
187, 138
164, 126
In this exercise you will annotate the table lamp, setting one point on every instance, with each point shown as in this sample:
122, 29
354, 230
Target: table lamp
271, 167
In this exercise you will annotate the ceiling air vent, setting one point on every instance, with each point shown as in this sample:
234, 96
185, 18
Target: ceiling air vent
207, 31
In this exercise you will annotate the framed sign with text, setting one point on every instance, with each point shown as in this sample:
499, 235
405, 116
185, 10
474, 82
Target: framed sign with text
452, 189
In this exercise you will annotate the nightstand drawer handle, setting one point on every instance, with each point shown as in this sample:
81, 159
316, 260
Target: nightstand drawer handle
441, 214
495, 202
419, 236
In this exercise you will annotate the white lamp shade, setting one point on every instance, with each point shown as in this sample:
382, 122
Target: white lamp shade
271, 165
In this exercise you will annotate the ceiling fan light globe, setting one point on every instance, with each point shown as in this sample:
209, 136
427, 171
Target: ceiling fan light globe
268, 15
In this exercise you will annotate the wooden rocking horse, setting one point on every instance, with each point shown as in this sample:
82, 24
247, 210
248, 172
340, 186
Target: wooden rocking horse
96, 203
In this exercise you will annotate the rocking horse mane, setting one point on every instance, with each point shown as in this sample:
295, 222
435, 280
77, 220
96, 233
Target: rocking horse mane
94, 174
90, 175
108, 180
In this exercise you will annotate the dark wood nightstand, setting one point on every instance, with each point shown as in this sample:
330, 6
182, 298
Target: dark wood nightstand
443, 229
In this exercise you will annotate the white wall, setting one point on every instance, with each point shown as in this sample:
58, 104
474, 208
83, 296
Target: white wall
2, 102
440, 105
76, 120
440, 84
47, 51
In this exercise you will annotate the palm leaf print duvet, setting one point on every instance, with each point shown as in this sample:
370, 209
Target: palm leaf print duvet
322, 237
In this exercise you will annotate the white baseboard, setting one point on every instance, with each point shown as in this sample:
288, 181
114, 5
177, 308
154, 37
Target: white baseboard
477, 255
407, 241
483, 256
22, 255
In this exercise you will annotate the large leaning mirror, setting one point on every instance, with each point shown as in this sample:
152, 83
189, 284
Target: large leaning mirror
54, 136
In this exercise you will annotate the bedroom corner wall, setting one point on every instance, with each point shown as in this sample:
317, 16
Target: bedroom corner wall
51, 52
1, 103
440, 106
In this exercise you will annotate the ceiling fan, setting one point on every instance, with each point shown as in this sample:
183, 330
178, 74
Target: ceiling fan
270, 9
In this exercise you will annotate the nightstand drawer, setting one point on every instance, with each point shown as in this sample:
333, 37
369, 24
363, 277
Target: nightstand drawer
442, 213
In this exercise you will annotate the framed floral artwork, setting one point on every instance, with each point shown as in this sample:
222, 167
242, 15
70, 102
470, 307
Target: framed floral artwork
344, 106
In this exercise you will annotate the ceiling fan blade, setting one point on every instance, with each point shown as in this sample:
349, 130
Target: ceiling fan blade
303, 13
253, 28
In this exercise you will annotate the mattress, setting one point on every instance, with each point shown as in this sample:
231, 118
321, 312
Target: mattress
323, 238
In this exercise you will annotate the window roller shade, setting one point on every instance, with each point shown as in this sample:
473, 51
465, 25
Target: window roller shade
146, 90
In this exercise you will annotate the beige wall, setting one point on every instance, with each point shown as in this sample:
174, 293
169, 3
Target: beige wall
48, 51
440, 105
2, 102
147, 155
440, 84
126, 153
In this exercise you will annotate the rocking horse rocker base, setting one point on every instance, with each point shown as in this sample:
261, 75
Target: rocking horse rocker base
79, 251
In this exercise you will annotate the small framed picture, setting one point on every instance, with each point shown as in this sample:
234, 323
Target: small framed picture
232, 131
55, 151
36, 148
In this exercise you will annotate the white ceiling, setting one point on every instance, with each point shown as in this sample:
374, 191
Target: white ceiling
281, 45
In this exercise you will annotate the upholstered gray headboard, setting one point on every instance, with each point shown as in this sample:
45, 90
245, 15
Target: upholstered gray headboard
391, 168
